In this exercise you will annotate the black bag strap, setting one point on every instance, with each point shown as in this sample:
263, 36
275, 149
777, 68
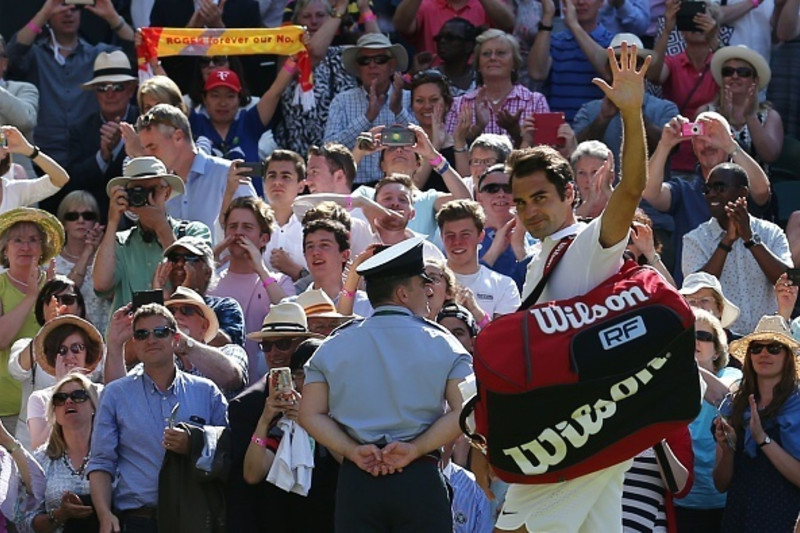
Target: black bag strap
666, 468
467, 410
552, 260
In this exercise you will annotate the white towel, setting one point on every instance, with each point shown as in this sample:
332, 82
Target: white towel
294, 460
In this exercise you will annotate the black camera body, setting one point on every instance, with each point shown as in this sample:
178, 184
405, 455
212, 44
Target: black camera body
138, 196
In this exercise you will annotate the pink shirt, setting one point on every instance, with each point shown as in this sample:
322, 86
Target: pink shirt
432, 15
519, 98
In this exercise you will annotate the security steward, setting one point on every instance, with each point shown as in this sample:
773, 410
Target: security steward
374, 393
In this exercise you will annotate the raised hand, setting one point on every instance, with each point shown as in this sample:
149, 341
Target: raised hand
375, 104
756, 429
738, 215
627, 88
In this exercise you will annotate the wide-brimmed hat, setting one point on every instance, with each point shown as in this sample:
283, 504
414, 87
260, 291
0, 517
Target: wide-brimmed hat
373, 41
771, 328
703, 280
110, 67
317, 304
48, 223
223, 77
186, 296
92, 335
631, 39
145, 168
284, 320
744, 53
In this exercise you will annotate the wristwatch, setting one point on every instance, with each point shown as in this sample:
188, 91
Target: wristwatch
188, 344
766, 441
754, 240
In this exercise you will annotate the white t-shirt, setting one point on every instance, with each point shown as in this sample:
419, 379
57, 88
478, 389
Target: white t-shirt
289, 237
496, 294
18, 193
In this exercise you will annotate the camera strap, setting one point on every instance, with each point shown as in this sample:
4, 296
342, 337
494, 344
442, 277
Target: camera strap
696, 86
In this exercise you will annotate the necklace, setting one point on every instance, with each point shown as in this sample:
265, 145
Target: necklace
18, 281
68, 255
81, 471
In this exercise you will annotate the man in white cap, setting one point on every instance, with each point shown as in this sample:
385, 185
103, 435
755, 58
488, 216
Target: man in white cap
375, 61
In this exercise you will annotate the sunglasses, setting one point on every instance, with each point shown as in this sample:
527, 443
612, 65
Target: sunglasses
66, 299
151, 119
705, 336
486, 162
72, 216
718, 187
773, 348
108, 87
701, 302
76, 348
280, 344
435, 278
161, 332
77, 396
428, 75
217, 61
378, 60
494, 188
185, 310
186, 258
742, 72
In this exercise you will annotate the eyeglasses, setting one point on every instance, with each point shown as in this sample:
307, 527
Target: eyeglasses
494, 188
378, 60
75, 347
185, 310
66, 299
742, 72
108, 87
186, 258
217, 61
31, 241
161, 332
718, 187
77, 396
499, 53
151, 119
704, 336
486, 162
773, 348
72, 216
706, 301
280, 344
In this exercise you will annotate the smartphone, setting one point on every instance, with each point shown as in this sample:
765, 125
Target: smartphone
547, 125
686, 13
794, 276
141, 298
257, 169
79, 2
398, 136
3, 140
692, 129
281, 378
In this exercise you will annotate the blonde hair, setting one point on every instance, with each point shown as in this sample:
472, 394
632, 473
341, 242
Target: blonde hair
56, 446
720, 338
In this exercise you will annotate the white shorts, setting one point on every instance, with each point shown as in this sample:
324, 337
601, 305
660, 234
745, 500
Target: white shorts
590, 503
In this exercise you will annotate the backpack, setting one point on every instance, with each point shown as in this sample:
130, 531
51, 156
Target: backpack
569, 387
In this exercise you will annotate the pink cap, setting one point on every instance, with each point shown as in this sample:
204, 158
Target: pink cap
223, 77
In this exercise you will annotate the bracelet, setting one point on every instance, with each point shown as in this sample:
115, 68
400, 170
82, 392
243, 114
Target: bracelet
33, 27
436, 161
290, 66
119, 26
543, 27
485, 320
267, 282
756, 3
35, 153
255, 439
406, 78
349, 294
51, 515
14, 447
444, 167
367, 16
461, 150
734, 152
349, 203
725, 247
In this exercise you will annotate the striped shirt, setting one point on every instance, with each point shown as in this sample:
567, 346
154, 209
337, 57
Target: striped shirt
643, 507
471, 509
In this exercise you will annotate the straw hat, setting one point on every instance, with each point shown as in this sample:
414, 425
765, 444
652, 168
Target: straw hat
49, 224
110, 67
186, 296
317, 304
284, 320
145, 168
92, 335
771, 328
373, 41
744, 53
703, 280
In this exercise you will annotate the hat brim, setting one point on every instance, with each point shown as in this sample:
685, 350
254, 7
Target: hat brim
738, 348
350, 54
745, 54
186, 246
91, 332
111, 78
175, 183
208, 314
48, 223
261, 335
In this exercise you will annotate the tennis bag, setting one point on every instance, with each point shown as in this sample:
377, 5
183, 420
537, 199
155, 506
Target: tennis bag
569, 387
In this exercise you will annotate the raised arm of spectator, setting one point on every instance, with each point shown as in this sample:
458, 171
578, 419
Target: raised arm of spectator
539, 58
105, 260
659, 72
17, 144
269, 101
633, 15
627, 93
405, 16
20, 109
106, 11
25, 36
787, 20
321, 40
500, 14
732, 12
593, 51
767, 137
655, 191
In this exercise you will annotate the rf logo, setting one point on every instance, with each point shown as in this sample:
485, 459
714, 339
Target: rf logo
623, 332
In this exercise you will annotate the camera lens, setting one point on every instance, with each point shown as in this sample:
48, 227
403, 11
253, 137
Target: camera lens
137, 196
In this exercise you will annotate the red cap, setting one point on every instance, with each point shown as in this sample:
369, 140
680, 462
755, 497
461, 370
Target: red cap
223, 77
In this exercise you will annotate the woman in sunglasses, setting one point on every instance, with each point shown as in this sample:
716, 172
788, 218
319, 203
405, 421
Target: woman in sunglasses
741, 73
758, 433
64, 458
79, 213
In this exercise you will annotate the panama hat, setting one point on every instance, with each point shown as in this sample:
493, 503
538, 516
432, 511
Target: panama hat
744, 53
186, 296
110, 67
703, 280
92, 335
373, 41
145, 168
283, 320
632, 40
49, 224
317, 304
771, 328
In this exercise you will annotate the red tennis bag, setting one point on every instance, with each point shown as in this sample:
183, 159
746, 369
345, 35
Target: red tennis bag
569, 387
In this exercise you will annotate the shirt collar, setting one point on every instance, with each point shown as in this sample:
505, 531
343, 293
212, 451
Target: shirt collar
572, 229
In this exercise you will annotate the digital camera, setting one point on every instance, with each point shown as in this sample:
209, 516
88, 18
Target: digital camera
138, 196
692, 128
